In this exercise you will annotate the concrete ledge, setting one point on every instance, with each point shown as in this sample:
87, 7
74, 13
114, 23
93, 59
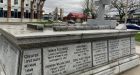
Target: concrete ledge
4, 20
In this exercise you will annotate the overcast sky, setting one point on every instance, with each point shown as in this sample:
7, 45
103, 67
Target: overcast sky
67, 5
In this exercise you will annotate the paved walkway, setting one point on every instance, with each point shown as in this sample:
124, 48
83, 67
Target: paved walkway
138, 49
136, 70
133, 71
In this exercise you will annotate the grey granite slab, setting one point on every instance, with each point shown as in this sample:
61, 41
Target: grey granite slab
21, 35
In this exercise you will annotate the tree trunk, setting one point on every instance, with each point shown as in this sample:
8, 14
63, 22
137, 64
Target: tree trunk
32, 10
38, 10
22, 8
9, 9
41, 9
121, 18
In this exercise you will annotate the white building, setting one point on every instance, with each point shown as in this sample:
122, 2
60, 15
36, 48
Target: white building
23, 9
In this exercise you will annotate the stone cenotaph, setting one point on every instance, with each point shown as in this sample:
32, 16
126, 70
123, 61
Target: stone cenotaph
27, 51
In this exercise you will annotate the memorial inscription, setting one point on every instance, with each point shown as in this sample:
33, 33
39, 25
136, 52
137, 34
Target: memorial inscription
81, 56
133, 49
31, 62
99, 52
114, 49
56, 60
61, 60
125, 46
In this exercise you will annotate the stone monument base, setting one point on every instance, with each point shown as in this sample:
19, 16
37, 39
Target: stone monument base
24, 51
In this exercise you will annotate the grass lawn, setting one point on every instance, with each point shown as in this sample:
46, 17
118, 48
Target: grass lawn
137, 37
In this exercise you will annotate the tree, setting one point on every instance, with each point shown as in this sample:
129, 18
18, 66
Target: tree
86, 9
121, 5
88, 6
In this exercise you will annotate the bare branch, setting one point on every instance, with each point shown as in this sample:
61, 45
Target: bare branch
120, 5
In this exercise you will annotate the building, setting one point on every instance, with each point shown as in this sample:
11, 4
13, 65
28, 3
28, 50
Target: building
57, 14
24, 9
78, 17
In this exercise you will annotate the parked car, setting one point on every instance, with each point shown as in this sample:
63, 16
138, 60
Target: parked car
133, 26
134, 21
71, 22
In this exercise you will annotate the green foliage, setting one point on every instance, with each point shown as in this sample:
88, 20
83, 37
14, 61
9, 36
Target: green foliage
86, 11
137, 37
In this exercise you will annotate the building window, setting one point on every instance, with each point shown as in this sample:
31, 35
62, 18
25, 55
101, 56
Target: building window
5, 13
1, 1
14, 14
19, 14
1, 12
15, 1
26, 14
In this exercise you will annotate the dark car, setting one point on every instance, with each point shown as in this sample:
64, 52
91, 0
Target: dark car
133, 26
134, 21
71, 22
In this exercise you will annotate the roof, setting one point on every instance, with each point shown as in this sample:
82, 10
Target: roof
77, 15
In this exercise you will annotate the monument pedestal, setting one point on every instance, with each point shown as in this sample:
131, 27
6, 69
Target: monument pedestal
25, 51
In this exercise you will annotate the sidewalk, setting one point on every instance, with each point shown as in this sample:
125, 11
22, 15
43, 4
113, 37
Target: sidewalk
133, 71
138, 49
136, 70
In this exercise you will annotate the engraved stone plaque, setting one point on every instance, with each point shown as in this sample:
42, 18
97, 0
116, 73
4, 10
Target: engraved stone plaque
81, 56
56, 60
61, 60
114, 48
125, 47
133, 49
31, 64
99, 52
